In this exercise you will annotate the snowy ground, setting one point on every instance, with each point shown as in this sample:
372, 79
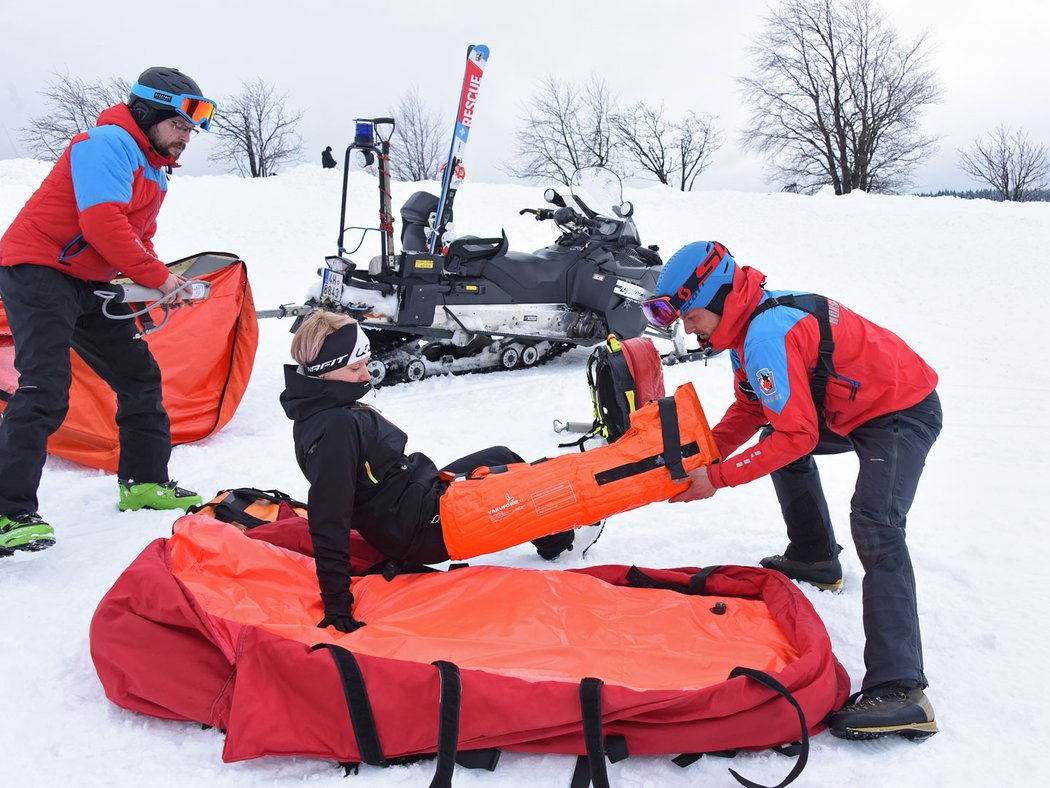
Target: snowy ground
961, 281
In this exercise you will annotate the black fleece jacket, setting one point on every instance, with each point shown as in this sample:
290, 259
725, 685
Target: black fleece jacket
359, 478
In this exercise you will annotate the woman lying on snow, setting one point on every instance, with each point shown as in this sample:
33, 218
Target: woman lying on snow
355, 461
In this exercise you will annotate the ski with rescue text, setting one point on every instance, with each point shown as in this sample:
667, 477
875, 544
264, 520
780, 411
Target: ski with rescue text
477, 58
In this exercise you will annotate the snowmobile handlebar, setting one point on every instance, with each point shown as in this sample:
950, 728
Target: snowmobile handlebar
542, 214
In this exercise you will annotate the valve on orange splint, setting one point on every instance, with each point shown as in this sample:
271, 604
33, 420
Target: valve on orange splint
497, 508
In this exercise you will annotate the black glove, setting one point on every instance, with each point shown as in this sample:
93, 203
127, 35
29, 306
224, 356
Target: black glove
344, 622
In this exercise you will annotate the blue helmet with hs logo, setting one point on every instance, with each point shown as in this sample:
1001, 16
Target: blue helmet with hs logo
698, 276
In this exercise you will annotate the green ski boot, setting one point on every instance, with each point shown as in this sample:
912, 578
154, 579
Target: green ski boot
24, 532
153, 495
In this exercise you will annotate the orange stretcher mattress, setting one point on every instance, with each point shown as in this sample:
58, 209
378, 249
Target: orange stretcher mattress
532, 625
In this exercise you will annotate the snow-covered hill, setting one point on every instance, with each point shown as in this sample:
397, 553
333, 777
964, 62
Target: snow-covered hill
961, 280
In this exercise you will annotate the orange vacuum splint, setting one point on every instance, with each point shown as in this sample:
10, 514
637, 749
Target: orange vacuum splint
496, 508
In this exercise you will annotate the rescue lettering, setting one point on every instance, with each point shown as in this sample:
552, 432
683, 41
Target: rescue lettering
470, 100
833, 312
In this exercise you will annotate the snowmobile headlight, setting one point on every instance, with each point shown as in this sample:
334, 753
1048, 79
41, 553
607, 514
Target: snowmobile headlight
339, 264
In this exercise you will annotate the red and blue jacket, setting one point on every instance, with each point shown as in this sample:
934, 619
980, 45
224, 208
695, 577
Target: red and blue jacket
95, 214
774, 357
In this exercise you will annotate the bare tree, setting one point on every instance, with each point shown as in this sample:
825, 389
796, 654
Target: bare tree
837, 96
675, 152
255, 132
565, 127
696, 139
645, 136
1011, 165
420, 144
73, 106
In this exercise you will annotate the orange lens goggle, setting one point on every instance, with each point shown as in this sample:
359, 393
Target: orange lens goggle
197, 110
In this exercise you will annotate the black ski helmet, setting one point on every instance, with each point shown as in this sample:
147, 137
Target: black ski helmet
170, 81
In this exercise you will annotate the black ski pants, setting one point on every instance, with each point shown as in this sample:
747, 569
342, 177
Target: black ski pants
892, 451
49, 313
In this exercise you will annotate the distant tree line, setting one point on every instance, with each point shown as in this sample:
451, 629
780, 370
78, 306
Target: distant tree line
1040, 195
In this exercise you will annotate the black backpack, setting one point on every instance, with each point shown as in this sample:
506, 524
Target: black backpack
622, 375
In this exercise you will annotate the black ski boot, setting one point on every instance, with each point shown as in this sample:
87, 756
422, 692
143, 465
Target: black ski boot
882, 711
579, 539
825, 575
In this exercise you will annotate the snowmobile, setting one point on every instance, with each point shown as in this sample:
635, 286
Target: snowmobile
475, 305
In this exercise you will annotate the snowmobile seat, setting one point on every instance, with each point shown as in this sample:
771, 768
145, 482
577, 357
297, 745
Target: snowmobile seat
466, 256
415, 218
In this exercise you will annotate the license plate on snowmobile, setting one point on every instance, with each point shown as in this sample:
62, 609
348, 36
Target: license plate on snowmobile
331, 286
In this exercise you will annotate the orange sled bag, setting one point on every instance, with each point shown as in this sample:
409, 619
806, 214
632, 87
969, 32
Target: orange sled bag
496, 508
205, 353
215, 627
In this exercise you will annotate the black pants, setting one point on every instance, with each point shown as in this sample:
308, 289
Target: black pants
49, 313
892, 451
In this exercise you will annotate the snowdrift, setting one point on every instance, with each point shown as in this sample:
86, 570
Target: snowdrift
218, 626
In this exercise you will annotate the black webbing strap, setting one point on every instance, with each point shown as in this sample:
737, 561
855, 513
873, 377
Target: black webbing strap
672, 439
697, 584
591, 709
448, 724
671, 456
816, 305
364, 724
486, 759
803, 754
644, 465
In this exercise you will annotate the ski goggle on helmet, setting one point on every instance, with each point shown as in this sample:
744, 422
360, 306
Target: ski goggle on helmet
698, 276
195, 109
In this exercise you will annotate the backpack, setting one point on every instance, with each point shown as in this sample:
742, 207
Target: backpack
249, 507
622, 375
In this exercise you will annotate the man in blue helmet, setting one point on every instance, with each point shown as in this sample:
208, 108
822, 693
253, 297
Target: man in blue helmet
816, 378
92, 219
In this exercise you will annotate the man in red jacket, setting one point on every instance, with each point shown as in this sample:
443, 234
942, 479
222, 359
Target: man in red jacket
817, 378
93, 218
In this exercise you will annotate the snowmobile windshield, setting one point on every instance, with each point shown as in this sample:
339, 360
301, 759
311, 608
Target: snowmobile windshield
598, 192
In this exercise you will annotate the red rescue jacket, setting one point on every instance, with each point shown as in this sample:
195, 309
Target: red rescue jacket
95, 214
775, 355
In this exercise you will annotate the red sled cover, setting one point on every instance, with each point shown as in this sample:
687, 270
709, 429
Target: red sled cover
205, 353
216, 627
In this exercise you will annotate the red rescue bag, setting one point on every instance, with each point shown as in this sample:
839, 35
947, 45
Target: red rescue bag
214, 627
205, 353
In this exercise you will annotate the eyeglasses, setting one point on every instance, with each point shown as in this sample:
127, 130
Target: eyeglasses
196, 109
183, 128
660, 312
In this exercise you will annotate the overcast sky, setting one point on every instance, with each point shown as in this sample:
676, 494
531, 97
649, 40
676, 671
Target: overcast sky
338, 61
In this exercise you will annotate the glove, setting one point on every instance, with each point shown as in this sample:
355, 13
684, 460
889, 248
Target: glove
344, 622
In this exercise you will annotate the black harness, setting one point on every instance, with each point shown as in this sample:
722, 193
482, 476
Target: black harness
816, 305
